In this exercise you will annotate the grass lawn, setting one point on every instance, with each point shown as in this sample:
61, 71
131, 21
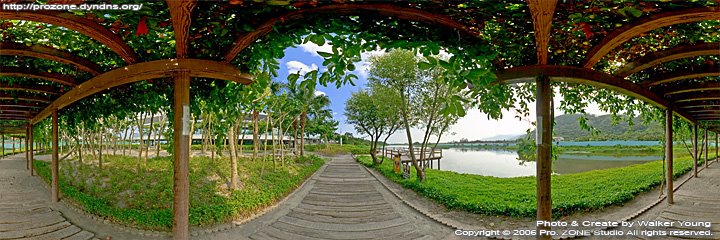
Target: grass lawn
332, 149
144, 199
571, 193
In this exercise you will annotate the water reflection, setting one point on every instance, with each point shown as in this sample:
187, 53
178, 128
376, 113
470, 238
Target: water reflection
503, 163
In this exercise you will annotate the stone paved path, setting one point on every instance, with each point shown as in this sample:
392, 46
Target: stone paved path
341, 201
25, 211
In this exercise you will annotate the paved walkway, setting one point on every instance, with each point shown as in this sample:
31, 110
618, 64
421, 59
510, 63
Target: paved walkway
698, 200
341, 201
25, 211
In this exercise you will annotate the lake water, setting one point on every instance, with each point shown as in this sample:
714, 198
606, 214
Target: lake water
501, 163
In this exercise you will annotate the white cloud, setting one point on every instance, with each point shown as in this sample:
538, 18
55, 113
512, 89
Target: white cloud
313, 48
295, 66
320, 93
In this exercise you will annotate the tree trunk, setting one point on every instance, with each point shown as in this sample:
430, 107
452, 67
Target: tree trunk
303, 120
256, 134
150, 130
140, 124
418, 169
192, 131
100, 139
233, 159
242, 137
159, 133
295, 140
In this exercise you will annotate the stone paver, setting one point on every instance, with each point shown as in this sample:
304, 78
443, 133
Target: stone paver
25, 211
341, 201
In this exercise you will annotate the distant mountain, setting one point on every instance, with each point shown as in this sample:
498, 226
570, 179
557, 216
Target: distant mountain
508, 137
567, 127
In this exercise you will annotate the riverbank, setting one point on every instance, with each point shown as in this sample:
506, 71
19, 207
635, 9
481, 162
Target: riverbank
515, 197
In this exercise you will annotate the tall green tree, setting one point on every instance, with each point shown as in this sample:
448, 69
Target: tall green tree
374, 112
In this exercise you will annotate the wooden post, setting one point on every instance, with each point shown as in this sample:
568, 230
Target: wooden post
32, 159
544, 150
181, 187
27, 149
55, 191
3, 146
669, 153
716, 147
695, 150
706, 147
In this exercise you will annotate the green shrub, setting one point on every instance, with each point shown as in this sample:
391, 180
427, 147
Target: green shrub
144, 199
571, 193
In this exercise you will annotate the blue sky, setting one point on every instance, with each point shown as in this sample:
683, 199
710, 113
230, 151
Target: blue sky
474, 125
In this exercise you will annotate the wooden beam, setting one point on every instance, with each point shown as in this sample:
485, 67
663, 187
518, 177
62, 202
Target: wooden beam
704, 71
29, 88
22, 105
707, 116
698, 104
55, 196
181, 155
17, 109
689, 87
42, 99
693, 96
34, 73
49, 53
2, 117
82, 25
542, 15
669, 153
544, 152
645, 24
657, 58
703, 110
145, 71
20, 116
405, 13
180, 13
23, 112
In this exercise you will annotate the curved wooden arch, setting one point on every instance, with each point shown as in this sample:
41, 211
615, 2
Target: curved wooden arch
33, 73
49, 53
682, 75
84, 26
34, 88
634, 29
584, 76
657, 58
26, 98
144, 71
690, 87
406, 13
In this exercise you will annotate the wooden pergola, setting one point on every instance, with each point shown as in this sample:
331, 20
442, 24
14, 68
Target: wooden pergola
679, 93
